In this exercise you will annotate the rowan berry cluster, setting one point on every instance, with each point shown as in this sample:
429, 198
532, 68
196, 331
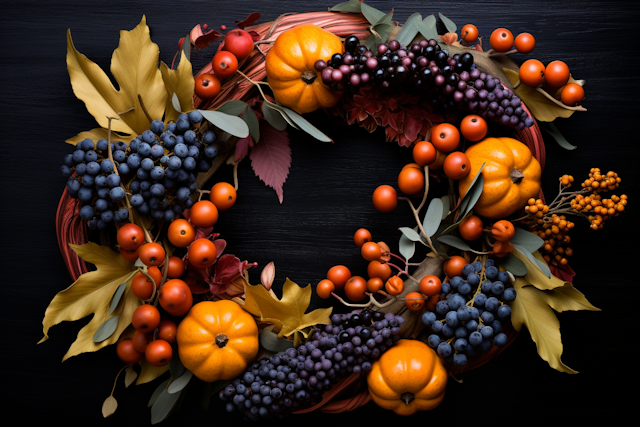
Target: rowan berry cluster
597, 182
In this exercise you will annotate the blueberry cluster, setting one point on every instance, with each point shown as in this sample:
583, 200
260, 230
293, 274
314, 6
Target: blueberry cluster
446, 83
472, 310
296, 378
156, 171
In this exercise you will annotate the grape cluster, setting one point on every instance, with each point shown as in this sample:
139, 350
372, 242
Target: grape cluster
446, 83
472, 310
156, 171
296, 378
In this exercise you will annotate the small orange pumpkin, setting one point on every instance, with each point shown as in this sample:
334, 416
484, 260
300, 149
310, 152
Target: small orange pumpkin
290, 66
511, 176
409, 377
217, 339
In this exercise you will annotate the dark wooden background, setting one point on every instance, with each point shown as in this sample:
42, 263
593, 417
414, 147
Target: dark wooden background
326, 198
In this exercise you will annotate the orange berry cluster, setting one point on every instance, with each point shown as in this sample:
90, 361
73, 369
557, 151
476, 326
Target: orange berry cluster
536, 207
597, 182
597, 209
566, 180
556, 238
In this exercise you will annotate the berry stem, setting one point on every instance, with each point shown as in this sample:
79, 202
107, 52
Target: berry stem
415, 214
559, 103
116, 380
426, 188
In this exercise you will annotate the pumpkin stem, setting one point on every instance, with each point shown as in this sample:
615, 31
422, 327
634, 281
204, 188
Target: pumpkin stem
221, 340
516, 176
308, 77
407, 397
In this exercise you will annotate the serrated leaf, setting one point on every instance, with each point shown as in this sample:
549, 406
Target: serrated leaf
529, 241
163, 406
89, 295
430, 28
227, 123
117, 296
180, 383
433, 217
274, 117
454, 241
234, 107
130, 376
448, 23
305, 125
288, 313
514, 265
134, 65
271, 159
271, 342
411, 234
348, 6
179, 84
251, 120
109, 406
542, 108
537, 263
406, 247
372, 14
410, 29
105, 330
551, 129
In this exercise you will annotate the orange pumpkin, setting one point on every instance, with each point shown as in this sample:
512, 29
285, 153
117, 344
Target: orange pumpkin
290, 68
217, 339
511, 176
409, 377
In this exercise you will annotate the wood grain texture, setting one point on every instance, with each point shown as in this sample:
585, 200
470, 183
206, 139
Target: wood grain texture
326, 198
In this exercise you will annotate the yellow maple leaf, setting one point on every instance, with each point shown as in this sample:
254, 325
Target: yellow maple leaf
134, 65
538, 297
181, 82
287, 314
92, 294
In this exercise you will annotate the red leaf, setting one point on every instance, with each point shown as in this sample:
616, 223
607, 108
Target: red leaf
271, 158
228, 268
563, 272
255, 36
411, 127
220, 245
201, 39
242, 148
249, 20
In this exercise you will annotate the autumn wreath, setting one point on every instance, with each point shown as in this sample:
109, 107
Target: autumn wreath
165, 293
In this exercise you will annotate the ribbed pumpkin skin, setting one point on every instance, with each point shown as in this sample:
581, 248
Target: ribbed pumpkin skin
295, 52
197, 334
410, 366
502, 197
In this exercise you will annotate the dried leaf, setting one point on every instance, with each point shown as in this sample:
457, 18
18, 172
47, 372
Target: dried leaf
542, 108
271, 158
134, 66
200, 39
555, 133
181, 83
149, 373
91, 294
539, 264
268, 275
130, 376
109, 406
536, 276
249, 20
96, 134
533, 308
288, 313
449, 38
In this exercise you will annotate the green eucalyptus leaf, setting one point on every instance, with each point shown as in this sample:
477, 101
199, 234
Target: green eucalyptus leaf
280, 109
251, 120
186, 48
305, 125
454, 241
445, 207
411, 234
163, 406
529, 241
274, 117
271, 342
473, 193
348, 6
180, 383
234, 107
406, 247
433, 217
386, 19
448, 23
227, 123
158, 391
176, 367
176, 103
542, 266
514, 265
410, 29
555, 133
372, 14
117, 296
430, 28
107, 329
379, 34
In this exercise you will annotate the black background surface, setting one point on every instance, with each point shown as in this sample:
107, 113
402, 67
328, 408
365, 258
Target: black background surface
326, 198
